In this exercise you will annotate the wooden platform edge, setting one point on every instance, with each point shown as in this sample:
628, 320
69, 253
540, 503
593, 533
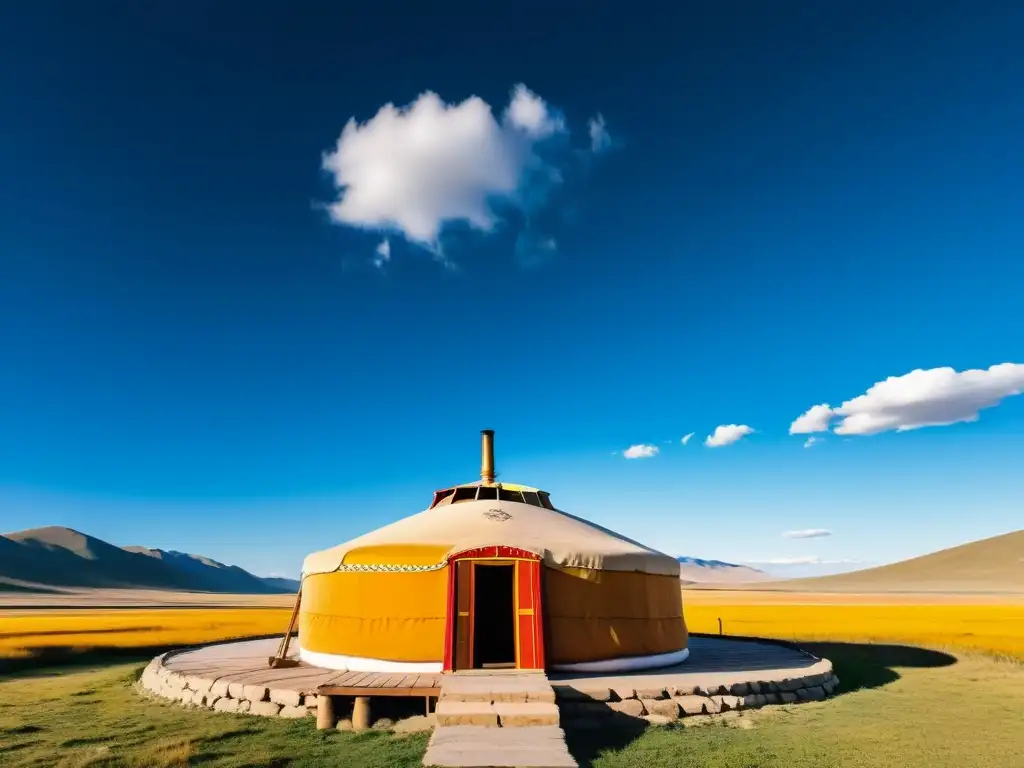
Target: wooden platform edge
347, 690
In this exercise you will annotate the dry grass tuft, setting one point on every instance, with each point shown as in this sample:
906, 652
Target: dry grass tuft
175, 753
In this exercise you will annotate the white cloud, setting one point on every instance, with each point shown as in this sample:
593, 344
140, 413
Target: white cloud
686, 438
530, 113
808, 533
812, 441
412, 170
382, 254
934, 397
600, 139
929, 398
641, 451
726, 434
806, 560
816, 419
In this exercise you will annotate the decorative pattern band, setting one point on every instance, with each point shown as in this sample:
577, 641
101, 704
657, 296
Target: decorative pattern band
363, 568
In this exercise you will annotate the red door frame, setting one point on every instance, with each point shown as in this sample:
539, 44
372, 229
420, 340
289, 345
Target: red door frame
529, 622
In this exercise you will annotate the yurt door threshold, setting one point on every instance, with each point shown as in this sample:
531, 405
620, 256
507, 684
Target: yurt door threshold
494, 616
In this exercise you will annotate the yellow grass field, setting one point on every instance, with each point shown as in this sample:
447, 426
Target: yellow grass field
987, 624
23, 632
991, 625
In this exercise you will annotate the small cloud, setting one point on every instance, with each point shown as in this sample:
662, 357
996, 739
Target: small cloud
812, 441
382, 254
806, 560
816, 419
533, 250
808, 533
727, 434
641, 451
600, 139
686, 438
530, 113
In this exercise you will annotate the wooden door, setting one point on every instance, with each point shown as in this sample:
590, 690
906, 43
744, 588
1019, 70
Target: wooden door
463, 614
529, 628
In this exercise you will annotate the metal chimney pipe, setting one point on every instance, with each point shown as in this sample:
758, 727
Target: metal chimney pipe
487, 456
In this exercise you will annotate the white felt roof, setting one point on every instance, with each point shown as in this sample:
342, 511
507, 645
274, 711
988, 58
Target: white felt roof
558, 538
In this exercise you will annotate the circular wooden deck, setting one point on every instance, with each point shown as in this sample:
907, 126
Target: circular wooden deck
514, 714
714, 663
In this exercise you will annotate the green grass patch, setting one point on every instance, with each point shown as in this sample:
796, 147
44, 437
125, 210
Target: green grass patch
899, 707
75, 717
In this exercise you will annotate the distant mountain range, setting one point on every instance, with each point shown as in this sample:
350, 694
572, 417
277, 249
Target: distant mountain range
63, 557
693, 570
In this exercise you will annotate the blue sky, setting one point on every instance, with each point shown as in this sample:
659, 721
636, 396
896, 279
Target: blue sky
203, 348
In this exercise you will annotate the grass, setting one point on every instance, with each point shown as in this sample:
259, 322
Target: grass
51, 633
900, 707
965, 623
977, 626
993, 625
896, 712
91, 717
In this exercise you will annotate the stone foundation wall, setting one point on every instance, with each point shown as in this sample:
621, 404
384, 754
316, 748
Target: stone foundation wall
663, 705
577, 706
222, 696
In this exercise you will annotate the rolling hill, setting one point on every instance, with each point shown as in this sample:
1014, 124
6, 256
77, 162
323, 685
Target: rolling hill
693, 570
282, 583
994, 565
216, 577
56, 556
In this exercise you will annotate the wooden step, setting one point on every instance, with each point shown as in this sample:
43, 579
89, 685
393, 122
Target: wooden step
467, 746
476, 713
506, 714
494, 688
523, 714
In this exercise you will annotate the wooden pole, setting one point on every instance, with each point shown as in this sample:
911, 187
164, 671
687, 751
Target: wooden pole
280, 660
719, 625
361, 713
325, 713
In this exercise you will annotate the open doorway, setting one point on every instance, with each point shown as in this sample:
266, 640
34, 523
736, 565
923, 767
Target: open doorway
494, 635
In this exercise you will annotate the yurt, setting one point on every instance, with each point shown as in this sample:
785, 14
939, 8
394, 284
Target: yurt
491, 575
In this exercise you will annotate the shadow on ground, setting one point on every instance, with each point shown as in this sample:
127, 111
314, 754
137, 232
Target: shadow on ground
609, 734
859, 666
44, 660
45, 657
865, 665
